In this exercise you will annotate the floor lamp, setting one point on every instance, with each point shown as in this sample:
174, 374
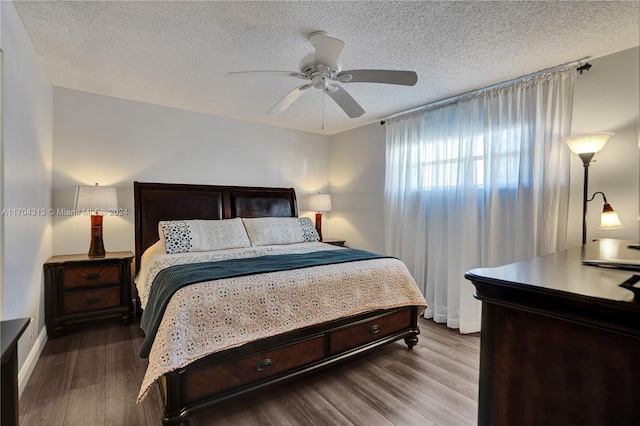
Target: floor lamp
586, 147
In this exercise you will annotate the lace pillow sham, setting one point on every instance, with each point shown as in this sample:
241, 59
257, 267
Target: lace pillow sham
264, 231
181, 236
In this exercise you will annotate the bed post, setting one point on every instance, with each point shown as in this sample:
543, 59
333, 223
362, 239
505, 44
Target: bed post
173, 414
412, 340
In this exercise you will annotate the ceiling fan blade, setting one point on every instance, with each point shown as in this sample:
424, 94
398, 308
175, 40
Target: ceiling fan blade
405, 78
288, 99
345, 101
262, 73
328, 49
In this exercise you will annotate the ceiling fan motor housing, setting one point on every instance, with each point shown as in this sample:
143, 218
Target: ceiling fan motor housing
320, 75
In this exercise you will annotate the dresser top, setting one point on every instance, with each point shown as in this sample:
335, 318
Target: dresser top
11, 330
561, 286
113, 255
564, 274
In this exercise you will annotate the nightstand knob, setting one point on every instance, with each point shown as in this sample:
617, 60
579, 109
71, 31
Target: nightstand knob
93, 276
92, 300
264, 364
375, 329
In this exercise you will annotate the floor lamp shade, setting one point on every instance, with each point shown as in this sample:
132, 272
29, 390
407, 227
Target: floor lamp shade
97, 200
590, 143
320, 203
609, 218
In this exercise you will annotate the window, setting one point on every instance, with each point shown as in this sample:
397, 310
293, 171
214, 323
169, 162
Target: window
455, 161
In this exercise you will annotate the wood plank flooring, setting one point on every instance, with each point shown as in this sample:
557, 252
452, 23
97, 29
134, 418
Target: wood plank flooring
91, 376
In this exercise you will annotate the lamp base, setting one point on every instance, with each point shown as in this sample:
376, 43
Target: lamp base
97, 245
319, 225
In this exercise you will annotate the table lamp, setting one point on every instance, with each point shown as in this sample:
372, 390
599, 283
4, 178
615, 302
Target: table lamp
97, 200
320, 203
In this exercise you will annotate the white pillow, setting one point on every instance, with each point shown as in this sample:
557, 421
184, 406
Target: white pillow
181, 236
264, 231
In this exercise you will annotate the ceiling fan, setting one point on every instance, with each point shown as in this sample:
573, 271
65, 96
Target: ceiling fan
323, 71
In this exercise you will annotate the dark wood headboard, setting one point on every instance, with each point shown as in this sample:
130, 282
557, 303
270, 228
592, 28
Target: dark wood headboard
154, 202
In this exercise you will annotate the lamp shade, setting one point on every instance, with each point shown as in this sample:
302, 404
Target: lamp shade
588, 143
320, 202
609, 218
96, 198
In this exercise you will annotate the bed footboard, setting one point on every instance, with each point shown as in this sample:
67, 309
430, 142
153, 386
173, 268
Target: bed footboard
256, 365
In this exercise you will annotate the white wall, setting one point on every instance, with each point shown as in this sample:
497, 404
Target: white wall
26, 163
606, 99
116, 142
356, 180
1, 172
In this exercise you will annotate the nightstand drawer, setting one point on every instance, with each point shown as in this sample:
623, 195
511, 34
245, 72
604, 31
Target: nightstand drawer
91, 276
90, 300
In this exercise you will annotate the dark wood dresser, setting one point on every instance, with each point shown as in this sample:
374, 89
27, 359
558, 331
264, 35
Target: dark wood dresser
560, 342
78, 287
10, 332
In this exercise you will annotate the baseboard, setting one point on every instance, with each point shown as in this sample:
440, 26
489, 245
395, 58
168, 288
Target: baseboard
30, 363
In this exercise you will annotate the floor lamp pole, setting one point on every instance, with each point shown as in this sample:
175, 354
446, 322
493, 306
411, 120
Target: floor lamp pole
586, 159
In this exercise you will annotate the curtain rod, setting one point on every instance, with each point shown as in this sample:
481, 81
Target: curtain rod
452, 99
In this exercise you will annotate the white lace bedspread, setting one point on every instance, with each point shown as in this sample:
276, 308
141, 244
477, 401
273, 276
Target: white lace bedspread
212, 316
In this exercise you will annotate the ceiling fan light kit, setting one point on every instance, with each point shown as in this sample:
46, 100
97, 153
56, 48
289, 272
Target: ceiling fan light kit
323, 71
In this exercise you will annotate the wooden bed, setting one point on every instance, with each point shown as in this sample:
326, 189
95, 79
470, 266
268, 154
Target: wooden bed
236, 371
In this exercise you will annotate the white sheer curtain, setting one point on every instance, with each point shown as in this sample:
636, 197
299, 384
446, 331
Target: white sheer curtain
480, 182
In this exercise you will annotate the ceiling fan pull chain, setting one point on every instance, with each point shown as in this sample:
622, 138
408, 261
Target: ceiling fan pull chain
323, 95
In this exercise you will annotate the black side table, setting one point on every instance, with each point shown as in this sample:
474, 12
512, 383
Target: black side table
78, 287
10, 334
334, 241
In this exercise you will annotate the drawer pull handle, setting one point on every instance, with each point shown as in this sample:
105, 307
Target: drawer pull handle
375, 329
93, 300
93, 276
264, 364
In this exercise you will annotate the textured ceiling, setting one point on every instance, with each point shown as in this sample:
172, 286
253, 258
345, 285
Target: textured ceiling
176, 53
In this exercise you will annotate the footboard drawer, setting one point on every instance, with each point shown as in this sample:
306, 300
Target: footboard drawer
359, 334
251, 368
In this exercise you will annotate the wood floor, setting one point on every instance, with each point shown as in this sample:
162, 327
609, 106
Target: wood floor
91, 376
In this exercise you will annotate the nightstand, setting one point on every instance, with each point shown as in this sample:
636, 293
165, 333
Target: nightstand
77, 287
334, 241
